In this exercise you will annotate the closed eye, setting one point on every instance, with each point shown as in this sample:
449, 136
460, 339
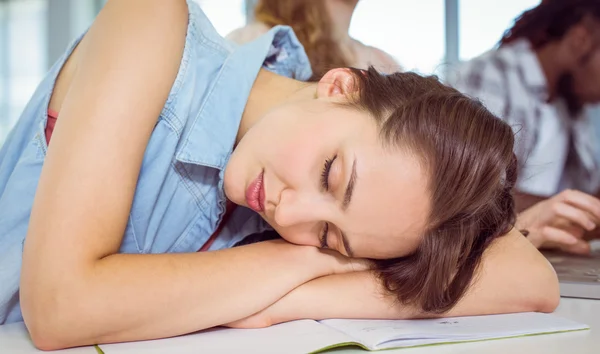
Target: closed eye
323, 239
325, 173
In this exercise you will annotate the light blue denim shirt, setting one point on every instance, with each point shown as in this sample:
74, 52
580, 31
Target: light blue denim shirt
179, 199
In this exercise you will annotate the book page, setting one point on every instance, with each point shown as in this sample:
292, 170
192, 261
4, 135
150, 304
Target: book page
300, 337
379, 334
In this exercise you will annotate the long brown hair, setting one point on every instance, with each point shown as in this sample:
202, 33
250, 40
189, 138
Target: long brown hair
550, 20
311, 23
468, 155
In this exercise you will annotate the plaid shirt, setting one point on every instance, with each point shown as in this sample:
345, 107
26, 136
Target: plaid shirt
556, 151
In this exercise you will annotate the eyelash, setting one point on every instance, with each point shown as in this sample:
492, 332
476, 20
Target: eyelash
323, 238
325, 185
325, 173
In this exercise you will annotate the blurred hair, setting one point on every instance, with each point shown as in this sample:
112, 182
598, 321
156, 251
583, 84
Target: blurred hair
550, 20
311, 23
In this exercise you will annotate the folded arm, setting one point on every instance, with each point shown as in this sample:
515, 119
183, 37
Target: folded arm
513, 277
75, 289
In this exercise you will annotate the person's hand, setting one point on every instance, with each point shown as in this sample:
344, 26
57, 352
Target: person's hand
328, 260
343, 264
335, 263
561, 221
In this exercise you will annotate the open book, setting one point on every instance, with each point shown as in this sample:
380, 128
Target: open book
307, 336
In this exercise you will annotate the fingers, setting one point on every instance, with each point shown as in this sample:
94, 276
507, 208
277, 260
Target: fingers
582, 247
345, 264
582, 201
575, 215
565, 241
574, 230
558, 236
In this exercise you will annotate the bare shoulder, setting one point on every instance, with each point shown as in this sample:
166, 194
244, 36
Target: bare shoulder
384, 56
248, 33
381, 60
117, 8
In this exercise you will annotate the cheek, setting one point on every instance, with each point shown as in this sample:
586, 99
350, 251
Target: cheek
299, 235
294, 156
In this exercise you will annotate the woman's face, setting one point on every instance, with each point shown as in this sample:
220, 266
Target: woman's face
319, 175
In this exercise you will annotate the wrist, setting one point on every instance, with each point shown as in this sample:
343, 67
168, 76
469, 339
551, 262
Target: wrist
306, 259
522, 222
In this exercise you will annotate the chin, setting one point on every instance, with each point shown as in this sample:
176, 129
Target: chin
232, 191
229, 195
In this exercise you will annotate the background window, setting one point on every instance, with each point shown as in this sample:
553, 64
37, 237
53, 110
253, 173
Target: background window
225, 15
411, 31
34, 33
482, 23
23, 56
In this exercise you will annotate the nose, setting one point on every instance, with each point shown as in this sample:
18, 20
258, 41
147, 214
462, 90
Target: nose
296, 208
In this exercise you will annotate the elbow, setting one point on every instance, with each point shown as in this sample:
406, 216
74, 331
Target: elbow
46, 333
50, 328
544, 289
548, 304
52, 319
549, 299
44, 337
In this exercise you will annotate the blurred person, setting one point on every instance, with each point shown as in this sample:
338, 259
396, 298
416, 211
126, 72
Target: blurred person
322, 27
540, 78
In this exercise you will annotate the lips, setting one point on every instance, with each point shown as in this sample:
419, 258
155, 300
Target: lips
255, 194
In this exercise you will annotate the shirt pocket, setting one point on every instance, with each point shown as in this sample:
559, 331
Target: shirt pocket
175, 204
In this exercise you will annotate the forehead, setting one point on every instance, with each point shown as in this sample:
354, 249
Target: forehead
390, 204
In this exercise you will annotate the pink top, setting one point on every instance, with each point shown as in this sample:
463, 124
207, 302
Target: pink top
52, 116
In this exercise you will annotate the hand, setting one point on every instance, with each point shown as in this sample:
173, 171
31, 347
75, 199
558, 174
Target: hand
335, 261
331, 261
342, 264
561, 221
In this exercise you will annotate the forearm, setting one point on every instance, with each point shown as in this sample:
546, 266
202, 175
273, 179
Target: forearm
133, 297
512, 264
352, 295
360, 295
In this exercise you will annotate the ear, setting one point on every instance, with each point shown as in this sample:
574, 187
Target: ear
337, 83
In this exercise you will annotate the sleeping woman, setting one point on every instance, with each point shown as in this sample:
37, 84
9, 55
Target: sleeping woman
154, 146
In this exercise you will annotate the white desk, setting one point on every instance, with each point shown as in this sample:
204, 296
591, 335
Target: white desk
581, 342
14, 338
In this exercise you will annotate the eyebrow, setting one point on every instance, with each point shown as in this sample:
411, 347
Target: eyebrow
347, 199
350, 187
347, 247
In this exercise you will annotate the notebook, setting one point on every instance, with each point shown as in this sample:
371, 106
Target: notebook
308, 336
